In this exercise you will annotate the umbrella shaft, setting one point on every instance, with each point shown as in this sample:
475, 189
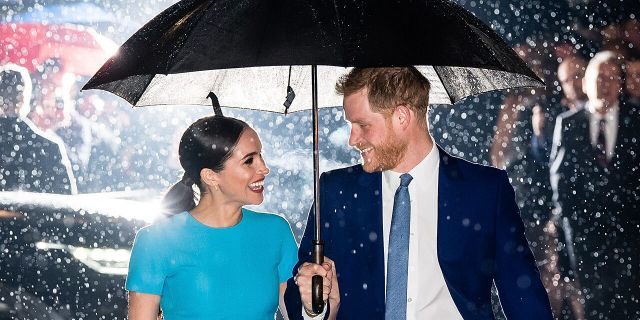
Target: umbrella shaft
316, 158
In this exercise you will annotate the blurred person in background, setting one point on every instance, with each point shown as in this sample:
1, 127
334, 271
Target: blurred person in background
125, 154
615, 38
570, 75
31, 159
75, 130
49, 112
632, 36
594, 176
54, 113
632, 85
502, 151
92, 146
521, 145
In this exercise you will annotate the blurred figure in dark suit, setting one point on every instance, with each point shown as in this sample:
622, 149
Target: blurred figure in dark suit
90, 146
31, 161
631, 34
632, 85
521, 145
594, 176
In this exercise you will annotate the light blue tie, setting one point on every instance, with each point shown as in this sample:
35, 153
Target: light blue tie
398, 253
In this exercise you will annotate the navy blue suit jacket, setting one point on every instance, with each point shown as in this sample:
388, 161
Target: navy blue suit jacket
480, 240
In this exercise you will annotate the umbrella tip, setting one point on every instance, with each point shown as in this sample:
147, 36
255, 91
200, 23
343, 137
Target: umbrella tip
217, 110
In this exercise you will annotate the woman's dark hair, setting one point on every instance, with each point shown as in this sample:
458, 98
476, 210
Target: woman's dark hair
207, 143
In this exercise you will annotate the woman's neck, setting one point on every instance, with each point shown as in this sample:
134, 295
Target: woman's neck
213, 213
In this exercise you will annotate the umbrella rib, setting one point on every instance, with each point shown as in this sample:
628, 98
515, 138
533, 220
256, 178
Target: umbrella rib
444, 84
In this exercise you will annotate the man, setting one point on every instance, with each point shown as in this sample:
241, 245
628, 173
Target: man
521, 146
570, 74
30, 160
414, 232
55, 113
632, 84
631, 34
50, 111
594, 176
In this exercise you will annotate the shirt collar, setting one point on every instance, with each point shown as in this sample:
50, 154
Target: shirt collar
612, 114
426, 168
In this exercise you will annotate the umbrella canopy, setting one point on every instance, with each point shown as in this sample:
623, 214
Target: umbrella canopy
81, 49
207, 46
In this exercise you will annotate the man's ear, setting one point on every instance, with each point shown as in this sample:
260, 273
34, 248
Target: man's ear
403, 116
209, 177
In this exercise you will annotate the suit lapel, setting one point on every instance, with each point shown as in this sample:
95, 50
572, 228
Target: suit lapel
372, 237
450, 241
449, 200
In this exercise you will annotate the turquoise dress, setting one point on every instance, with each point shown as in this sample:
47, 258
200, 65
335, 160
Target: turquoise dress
202, 272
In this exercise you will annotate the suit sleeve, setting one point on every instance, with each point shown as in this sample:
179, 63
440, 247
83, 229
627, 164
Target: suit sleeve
57, 175
61, 176
520, 289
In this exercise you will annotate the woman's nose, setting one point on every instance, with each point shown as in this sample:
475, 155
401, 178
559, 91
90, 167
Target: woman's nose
263, 167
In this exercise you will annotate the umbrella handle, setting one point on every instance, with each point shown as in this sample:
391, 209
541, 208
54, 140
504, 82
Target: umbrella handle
317, 304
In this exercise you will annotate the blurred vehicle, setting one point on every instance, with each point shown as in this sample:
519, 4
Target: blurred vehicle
66, 256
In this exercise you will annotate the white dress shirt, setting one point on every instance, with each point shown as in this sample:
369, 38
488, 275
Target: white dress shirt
428, 296
611, 129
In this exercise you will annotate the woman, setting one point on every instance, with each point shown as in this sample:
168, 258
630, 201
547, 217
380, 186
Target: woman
213, 260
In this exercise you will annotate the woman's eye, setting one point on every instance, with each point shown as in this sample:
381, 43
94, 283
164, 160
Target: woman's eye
249, 161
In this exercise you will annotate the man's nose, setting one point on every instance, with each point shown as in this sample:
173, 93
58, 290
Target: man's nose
354, 137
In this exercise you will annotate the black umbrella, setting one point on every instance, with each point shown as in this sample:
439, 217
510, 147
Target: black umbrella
254, 53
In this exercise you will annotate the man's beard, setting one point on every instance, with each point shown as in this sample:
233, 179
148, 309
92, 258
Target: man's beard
387, 155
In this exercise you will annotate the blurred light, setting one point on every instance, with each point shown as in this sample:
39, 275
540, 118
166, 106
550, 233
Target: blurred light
5, 214
102, 260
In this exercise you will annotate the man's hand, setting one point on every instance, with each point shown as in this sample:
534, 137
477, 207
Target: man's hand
334, 295
330, 289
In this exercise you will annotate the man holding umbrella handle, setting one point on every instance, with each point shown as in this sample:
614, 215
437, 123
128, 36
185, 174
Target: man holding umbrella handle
330, 290
413, 232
